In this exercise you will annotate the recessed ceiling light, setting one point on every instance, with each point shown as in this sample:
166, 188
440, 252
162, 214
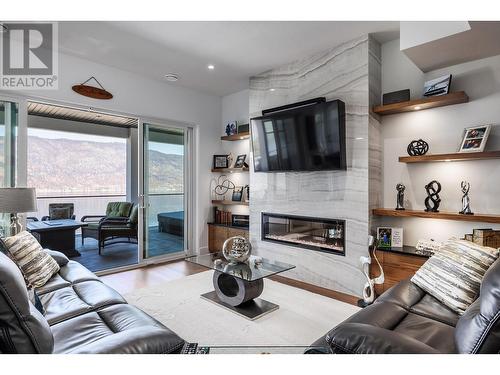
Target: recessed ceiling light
171, 77
416, 108
272, 89
359, 138
211, 67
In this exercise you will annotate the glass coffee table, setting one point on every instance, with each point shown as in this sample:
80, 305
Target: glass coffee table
238, 285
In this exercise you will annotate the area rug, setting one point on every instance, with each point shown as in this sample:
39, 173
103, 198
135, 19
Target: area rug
302, 317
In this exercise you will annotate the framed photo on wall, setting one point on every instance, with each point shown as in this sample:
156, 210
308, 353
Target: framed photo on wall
475, 138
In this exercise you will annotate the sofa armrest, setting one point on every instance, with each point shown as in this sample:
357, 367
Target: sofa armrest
59, 257
144, 340
357, 338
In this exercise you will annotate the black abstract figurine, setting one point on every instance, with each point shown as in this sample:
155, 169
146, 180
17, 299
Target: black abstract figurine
401, 196
417, 148
432, 201
465, 199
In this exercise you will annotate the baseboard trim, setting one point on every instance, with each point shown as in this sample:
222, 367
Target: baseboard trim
344, 297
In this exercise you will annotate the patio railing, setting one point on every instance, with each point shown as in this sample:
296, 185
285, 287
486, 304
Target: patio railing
96, 204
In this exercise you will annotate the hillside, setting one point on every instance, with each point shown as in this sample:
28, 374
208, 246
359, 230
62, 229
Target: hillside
72, 167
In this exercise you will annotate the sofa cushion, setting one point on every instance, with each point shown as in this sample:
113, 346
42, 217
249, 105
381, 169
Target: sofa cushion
70, 274
437, 335
77, 299
119, 328
59, 257
478, 329
414, 299
453, 275
22, 328
36, 265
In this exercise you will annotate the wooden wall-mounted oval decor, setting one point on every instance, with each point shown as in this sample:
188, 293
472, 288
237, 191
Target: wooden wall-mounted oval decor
92, 91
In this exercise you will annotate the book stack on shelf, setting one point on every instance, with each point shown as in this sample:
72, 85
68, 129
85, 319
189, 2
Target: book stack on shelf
222, 217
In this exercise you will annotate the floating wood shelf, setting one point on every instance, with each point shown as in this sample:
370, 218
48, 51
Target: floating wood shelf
457, 156
229, 170
425, 103
230, 203
236, 137
437, 215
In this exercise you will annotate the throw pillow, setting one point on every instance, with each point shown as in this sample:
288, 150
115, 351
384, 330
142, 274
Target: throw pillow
36, 265
453, 275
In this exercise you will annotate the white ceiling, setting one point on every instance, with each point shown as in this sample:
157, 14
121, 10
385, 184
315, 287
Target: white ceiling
237, 49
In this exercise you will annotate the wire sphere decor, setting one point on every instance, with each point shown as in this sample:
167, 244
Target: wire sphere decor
417, 148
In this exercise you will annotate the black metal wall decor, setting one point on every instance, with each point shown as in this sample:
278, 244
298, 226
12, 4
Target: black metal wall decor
417, 148
465, 199
401, 196
432, 201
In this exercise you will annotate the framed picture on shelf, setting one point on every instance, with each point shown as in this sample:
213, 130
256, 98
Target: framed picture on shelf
243, 128
221, 161
389, 237
232, 128
437, 86
237, 193
474, 139
240, 161
384, 237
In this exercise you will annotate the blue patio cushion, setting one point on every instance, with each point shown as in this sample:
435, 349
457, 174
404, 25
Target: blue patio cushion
118, 209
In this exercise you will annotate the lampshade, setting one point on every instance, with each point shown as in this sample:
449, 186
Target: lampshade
16, 200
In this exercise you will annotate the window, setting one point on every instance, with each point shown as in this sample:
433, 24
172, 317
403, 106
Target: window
89, 170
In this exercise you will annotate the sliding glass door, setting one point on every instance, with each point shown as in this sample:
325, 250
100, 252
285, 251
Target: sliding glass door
164, 190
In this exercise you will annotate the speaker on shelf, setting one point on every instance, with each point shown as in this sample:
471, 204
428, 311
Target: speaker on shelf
396, 97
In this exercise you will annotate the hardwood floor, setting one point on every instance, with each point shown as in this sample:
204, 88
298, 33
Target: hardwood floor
126, 281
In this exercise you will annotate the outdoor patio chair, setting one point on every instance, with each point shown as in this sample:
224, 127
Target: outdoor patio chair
120, 221
59, 211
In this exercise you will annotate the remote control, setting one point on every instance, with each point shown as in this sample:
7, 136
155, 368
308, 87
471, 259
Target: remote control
189, 348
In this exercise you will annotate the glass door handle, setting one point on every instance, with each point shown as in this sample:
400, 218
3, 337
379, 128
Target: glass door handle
141, 202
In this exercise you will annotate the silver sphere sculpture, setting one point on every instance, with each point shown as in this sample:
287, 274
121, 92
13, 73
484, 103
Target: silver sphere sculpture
236, 249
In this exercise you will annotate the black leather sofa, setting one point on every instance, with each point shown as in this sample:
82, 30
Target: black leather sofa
406, 320
82, 315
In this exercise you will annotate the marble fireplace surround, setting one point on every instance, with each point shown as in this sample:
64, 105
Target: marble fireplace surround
351, 73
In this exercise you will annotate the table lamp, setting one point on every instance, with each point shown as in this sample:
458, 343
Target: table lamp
14, 201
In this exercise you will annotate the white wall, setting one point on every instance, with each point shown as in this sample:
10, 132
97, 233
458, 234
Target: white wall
140, 96
442, 128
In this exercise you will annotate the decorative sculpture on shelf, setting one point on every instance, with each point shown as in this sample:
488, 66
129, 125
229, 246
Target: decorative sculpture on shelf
236, 249
465, 199
368, 289
401, 196
417, 148
432, 201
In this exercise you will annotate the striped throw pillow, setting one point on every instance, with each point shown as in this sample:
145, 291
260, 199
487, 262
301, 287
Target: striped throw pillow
36, 265
453, 275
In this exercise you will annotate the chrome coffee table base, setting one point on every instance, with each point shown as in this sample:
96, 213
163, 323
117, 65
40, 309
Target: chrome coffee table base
250, 310
239, 296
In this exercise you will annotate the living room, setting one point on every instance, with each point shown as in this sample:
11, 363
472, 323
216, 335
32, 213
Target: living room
222, 186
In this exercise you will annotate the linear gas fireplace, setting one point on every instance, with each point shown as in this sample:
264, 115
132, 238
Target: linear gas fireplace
312, 233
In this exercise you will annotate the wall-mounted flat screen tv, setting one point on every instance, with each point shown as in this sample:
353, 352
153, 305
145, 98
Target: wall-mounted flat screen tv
307, 138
